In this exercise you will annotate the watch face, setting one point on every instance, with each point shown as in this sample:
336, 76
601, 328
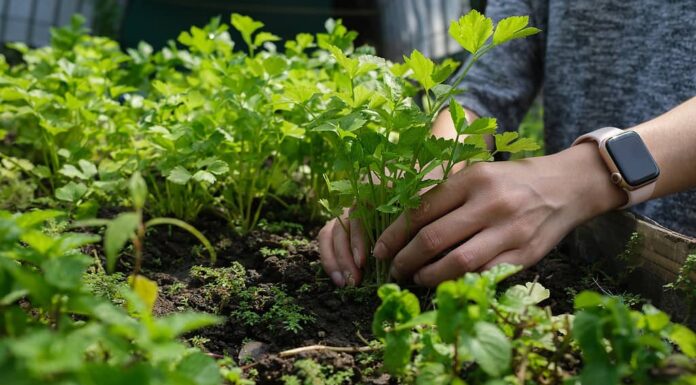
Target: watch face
632, 158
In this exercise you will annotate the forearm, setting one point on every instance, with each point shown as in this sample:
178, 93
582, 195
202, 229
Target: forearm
671, 139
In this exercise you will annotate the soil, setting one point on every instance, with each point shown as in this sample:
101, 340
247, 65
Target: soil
340, 317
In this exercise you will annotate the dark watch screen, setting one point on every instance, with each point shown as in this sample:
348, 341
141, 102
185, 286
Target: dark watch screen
632, 158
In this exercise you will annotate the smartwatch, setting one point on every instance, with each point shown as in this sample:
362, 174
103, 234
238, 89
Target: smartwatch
630, 164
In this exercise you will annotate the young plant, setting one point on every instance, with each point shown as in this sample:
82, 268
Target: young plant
475, 336
385, 154
54, 331
131, 226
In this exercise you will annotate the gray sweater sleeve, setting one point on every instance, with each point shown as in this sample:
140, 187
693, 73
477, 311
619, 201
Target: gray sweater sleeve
504, 82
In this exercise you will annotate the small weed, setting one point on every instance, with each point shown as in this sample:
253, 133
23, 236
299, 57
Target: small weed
281, 227
270, 307
296, 242
309, 372
176, 288
684, 284
273, 252
198, 341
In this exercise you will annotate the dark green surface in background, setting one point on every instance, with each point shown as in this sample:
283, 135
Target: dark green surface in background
157, 21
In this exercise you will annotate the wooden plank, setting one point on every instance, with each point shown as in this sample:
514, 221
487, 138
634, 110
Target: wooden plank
657, 258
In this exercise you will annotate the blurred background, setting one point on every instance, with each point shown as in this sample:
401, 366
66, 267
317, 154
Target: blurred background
394, 27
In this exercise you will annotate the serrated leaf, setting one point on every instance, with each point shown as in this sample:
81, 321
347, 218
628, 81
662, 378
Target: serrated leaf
512, 143
118, 232
471, 31
422, 68
514, 27
482, 126
246, 26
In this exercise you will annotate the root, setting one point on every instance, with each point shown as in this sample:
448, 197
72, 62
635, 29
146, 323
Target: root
323, 348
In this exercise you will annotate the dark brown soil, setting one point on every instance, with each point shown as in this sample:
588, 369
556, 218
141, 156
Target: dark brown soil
341, 317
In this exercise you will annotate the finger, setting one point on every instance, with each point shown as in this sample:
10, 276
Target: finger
435, 238
357, 243
435, 203
513, 257
470, 256
326, 254
344, 257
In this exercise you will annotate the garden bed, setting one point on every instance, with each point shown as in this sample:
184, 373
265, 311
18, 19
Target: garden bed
283, 256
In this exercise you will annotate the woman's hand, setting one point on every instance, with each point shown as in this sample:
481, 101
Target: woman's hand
492, 213
342, 250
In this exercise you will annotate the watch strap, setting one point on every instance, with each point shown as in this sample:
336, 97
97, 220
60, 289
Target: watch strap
600, 136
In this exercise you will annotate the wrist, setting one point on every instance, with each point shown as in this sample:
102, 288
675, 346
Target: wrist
591, 189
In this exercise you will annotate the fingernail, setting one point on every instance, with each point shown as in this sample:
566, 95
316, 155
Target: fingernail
338, 279
394, 273
380, 252
356, 258
417, 279
349, 278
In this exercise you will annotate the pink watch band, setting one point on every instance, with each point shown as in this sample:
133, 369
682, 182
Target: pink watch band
600, 136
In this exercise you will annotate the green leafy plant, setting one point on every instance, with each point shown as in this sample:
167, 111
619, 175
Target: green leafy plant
385, 154
53, 330
685, 283
475, 336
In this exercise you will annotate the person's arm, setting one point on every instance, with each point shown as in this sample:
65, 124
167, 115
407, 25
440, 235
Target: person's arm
517, 211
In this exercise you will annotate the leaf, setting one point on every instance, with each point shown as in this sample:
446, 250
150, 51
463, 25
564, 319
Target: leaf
118, 232
531, 293
264, 37
471, 31
685, 338
482, 126
145, 289
512, 143
513, 27
71, 192
422, 68
587, 299
66, 272
179, 175
138, 190
88, 168
218, 167
274, 65
177, 324
204, 176
490, 348
200, 369
458, 116
246, 26
72, 172
397, 351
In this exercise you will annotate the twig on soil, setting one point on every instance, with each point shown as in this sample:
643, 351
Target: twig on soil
319, 348
365, 341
